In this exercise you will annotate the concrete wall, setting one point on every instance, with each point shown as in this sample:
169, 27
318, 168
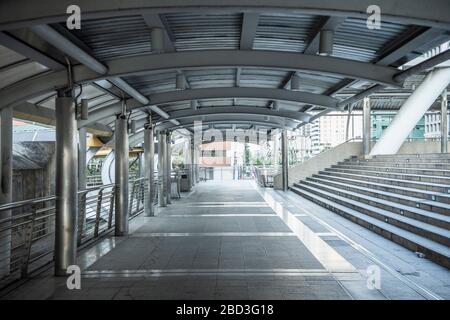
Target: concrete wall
33, 170
420, 146
320, 162
347, 150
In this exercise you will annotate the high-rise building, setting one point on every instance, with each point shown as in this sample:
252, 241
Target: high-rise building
382, 119
329, 131
433, 124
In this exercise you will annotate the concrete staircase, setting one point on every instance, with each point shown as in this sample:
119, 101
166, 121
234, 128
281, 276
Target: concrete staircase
405, 198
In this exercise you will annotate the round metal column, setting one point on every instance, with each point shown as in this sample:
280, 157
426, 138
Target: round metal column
367, 126
284, 157
162, 163
192, 168
149, 165
444, 122
169, 167
66, 187
121, 176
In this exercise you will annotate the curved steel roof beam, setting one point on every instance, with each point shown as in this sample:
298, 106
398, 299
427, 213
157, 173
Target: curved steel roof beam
23, 13
138, 137
146, 64
239, 110
243, 92
231, 119
223, 93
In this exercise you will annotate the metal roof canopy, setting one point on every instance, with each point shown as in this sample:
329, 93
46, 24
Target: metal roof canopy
236, 74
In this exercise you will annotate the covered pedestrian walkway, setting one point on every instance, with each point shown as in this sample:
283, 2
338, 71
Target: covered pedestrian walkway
225, 240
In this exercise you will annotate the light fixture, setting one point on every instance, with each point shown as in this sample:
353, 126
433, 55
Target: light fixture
84, 109
326, 42
295, 83
157, 40
180, 83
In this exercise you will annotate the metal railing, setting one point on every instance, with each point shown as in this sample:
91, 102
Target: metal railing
264, 176
27, 233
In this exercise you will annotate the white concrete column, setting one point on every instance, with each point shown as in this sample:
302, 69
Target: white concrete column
412, 111
121, 176
6, 140
367, 126
66, 187
444, 122
149, 168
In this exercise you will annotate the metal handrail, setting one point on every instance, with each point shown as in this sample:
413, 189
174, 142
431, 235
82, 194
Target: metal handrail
28, 236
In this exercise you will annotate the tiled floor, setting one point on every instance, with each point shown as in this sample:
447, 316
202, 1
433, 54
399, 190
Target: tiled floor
225, 240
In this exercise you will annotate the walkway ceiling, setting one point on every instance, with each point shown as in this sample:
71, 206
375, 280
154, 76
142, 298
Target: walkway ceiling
236, 60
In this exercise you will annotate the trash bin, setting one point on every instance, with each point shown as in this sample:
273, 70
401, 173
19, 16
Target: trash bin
185, 185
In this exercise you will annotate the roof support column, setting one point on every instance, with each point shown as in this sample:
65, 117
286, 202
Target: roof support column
444, 122
284, 159
121, 176
367, 126
193, 163
6, 132
196, 168
162, 172
169, 167
412, 111
66, 187
149, 168
349, 119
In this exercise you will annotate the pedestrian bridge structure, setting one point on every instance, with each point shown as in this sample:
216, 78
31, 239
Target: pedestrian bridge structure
132, 95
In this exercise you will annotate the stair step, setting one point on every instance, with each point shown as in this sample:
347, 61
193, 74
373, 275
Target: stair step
441, 188
411, 157
418, 171
442, 182
418, 193
437, 234
399, 204
432, 250
424, 165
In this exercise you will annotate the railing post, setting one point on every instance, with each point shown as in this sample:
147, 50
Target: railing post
97, 213
111, 206
133, 186
82, 220
27, 245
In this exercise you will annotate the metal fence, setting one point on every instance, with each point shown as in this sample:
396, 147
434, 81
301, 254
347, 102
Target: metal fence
27, 235
264, 176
